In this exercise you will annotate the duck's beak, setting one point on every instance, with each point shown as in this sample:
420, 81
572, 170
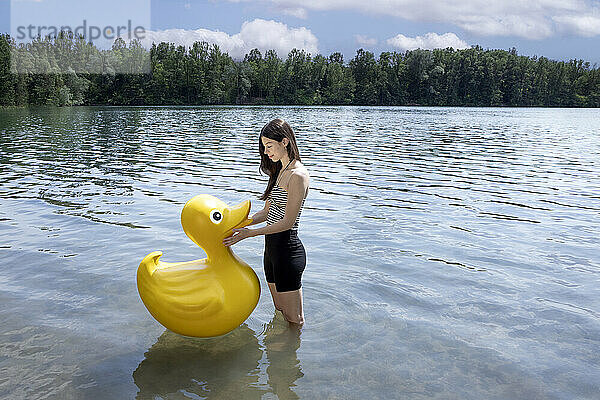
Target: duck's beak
238, 215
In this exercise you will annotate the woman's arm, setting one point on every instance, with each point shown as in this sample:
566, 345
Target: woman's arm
296, 191
261, 216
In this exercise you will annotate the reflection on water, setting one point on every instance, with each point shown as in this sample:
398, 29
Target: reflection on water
226, 367
451, 253
281, 341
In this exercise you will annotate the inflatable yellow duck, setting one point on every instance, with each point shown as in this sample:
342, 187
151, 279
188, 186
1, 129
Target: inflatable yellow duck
207, 297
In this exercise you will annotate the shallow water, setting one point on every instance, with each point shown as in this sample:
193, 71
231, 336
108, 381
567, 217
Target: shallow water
453, 253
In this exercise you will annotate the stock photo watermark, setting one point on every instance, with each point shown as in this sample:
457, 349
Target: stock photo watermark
81, 37
88, 32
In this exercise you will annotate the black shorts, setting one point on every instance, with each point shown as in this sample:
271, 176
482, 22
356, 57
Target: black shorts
284, 260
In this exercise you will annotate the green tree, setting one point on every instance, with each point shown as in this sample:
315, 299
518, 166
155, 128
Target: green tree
364, 70
295, 79
7, 90
339, 82
272, 70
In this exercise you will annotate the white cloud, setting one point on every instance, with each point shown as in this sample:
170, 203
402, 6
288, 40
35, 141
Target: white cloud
262, 34
531, 19
297, 12
365, 41
581, 25
529, 27
428, 41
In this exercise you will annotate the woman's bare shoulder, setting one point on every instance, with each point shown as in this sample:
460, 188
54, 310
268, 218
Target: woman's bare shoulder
300, 175
301, 169
301, 172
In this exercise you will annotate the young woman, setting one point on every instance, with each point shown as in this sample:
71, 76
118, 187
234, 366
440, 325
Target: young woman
284, 257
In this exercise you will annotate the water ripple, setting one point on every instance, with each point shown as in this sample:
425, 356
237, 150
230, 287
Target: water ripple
458, 243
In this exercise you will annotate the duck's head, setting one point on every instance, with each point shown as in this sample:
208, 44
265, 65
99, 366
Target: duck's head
207, 220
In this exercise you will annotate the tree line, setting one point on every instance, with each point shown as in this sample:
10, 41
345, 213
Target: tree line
203, 74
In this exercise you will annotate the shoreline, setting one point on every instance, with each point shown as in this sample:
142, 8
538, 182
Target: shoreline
292, 105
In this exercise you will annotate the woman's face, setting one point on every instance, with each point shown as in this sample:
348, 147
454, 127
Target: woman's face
273, 149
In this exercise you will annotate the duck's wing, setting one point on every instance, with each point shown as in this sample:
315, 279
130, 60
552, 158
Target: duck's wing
189, 290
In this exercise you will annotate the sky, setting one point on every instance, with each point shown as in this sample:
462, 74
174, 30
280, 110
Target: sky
556, 29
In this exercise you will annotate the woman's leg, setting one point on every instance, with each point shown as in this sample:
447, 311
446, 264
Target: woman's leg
291, 305
287, 262
274, 296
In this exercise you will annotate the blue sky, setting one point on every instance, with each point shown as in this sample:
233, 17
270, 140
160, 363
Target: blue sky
560, 30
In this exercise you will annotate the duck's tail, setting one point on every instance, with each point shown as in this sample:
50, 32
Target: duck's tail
150, 263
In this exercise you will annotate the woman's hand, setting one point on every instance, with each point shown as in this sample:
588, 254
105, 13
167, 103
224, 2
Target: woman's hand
238, 234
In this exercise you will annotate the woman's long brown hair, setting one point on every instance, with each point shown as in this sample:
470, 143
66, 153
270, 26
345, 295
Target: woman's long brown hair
277, 129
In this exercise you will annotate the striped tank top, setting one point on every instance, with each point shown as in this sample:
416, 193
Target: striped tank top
278, 197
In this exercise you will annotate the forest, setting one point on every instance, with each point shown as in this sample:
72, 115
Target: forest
202, 74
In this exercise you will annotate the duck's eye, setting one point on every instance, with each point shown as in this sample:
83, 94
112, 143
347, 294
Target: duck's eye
216, 216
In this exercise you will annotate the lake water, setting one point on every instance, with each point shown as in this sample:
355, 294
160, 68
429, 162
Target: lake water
453, 253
